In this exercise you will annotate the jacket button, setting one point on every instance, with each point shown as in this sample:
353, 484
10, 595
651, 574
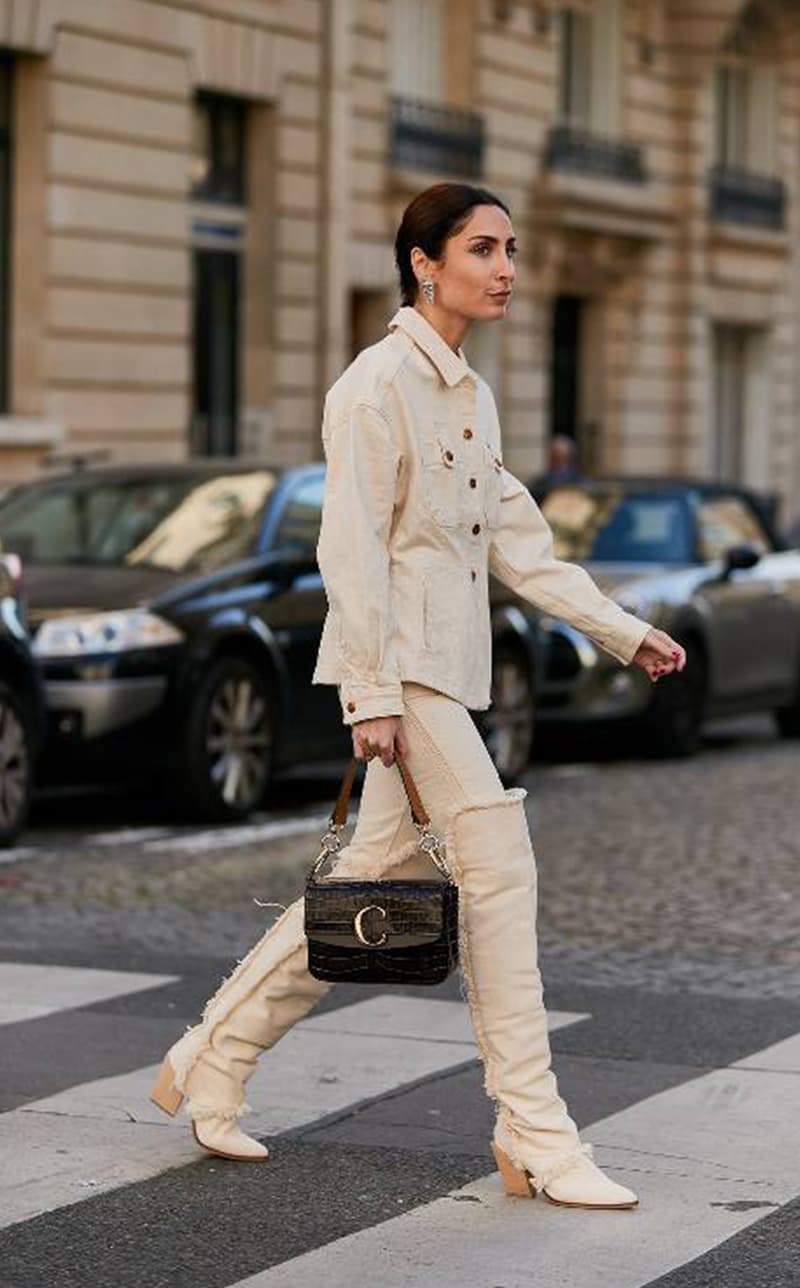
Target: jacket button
473, 482
351, 706
476, 527
468, 432
448, 456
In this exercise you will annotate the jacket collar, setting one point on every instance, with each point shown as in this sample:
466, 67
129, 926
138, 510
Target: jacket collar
452, 367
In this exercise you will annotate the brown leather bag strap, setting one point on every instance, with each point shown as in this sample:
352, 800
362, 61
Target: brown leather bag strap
428, 842
342, 807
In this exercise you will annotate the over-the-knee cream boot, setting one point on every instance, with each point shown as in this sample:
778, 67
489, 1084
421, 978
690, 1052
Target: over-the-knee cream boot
536, 1143
268, 991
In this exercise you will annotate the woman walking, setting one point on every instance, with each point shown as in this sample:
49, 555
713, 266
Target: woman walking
418, 510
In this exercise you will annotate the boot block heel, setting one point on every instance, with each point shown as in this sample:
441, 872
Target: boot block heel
165, 1094
515, 1180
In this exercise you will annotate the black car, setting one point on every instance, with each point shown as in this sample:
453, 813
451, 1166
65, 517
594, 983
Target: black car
21, 704
177, 612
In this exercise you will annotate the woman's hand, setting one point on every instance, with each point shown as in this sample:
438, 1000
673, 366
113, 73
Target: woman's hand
380, 737
659, 654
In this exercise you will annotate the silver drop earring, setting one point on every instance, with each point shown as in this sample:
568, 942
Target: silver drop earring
428, 289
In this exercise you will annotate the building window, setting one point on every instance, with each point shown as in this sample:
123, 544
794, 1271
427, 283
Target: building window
731, 86
417, 49
218, 161
218, 225
745, 187
745, 117
425, 132
740, 404
589, 68
575, 69
6, 176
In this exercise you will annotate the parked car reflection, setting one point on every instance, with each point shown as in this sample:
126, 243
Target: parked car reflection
702, 562
177, 613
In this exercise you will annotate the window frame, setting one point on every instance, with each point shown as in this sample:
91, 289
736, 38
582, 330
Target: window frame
225, 183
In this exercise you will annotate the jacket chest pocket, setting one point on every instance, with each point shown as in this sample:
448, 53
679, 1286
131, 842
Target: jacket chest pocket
492, 486
441, 476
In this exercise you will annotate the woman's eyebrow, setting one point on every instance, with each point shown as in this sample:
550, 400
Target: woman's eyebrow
489, 238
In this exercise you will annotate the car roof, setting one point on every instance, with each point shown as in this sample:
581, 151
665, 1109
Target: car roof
198, 467
656, 483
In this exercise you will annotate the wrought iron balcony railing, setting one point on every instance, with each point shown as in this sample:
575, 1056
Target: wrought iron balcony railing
740, 197
426, 136
584, 153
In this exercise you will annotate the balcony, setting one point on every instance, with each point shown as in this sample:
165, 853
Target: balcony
588, 154
428, 137
596, 186
741, 197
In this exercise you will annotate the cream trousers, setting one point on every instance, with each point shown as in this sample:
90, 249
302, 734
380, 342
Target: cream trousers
489, 853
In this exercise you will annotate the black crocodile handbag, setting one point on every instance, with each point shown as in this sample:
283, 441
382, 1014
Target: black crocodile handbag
387, 931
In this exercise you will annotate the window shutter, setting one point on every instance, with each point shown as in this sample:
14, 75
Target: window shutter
762, 120
606, 61
576, 68
417, 53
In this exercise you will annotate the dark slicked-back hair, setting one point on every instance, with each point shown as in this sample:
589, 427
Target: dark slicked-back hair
437, 213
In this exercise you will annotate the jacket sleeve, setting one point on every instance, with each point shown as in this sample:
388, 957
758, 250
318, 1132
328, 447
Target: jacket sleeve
521, 556
353, 557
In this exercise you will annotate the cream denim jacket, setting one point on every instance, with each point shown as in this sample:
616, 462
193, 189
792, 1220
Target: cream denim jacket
418, 509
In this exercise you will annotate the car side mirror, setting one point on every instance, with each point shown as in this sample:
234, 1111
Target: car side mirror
744, 556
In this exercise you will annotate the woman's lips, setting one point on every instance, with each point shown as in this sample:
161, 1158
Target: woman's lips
500, 295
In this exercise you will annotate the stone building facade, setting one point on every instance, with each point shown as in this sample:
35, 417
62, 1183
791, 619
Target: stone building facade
199, 199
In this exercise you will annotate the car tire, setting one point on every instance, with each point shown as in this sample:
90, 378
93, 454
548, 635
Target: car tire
674, 720
787, 719
226, 756
508, 726
16, 766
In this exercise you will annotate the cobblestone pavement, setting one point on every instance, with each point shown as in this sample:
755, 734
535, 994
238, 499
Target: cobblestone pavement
659, 874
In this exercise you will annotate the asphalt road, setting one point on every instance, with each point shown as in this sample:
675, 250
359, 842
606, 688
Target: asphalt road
670, 952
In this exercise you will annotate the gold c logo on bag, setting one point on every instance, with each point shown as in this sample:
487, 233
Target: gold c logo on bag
359, 917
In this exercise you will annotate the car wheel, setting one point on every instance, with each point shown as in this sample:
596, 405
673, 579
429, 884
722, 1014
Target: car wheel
227, 752
507, 727
787, 718
674, 720
16, 766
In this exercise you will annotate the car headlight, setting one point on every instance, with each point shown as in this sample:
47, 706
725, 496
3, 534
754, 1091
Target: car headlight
103, 633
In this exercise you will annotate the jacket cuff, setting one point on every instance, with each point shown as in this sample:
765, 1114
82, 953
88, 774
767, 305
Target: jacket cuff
623, 644
368, 701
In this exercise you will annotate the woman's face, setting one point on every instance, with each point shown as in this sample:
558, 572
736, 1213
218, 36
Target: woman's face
475, 276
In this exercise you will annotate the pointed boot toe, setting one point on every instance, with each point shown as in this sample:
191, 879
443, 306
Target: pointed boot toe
225, 1139
584, 1185
574, 1181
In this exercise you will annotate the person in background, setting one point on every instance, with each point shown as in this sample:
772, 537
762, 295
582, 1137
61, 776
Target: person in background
563, 466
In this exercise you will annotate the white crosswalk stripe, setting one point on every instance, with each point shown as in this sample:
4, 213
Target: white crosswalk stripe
707, 1159
102, 1134
29, 991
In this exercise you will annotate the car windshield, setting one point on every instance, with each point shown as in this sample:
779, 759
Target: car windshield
182, 524
618, 526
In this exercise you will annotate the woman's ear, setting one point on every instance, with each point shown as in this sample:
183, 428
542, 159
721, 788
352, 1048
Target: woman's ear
419, 263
